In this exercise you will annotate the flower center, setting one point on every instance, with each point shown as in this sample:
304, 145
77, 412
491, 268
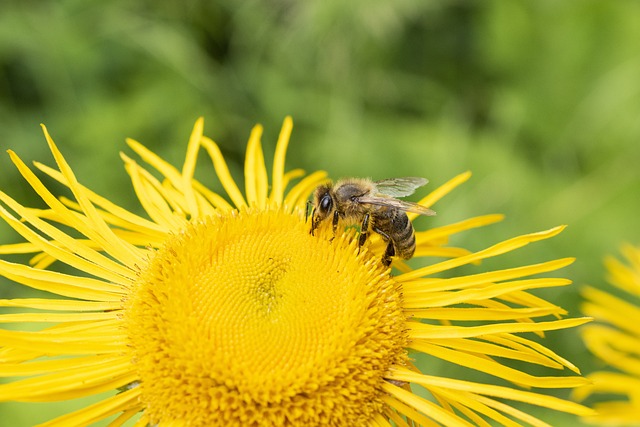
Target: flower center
249, 319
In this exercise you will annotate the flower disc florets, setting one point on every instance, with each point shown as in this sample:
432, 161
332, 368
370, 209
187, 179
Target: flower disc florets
249, 317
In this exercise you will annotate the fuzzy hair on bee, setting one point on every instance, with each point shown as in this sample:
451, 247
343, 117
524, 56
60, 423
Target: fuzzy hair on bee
373, 205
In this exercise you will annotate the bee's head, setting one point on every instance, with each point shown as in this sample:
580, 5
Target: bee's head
323, 205
323, 202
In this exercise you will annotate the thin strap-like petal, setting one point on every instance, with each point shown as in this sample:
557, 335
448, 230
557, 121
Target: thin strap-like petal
222, 170
189, 167
277, 180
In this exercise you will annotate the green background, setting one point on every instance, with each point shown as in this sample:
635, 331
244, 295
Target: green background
540, 99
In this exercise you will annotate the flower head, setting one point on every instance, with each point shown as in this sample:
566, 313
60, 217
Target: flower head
226, 311
615, 340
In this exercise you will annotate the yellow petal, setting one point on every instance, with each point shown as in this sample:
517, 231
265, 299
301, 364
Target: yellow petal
470, 313
484, 348
153, 197
61, 304
424, 331
507, 409
188, 169
220, 165
56, 365
62, 284
97, 229
441, 191
100, 261
54, 317
277, 180
119, 215
99, 411
623, 276
444, 231
217, 201
298, 195
495, 250
404, 401
168, 171
430, 296
611, 309
491, 367
52, 342
521, 343
403, 374
465, 401
255, 172
126, 415
614, 347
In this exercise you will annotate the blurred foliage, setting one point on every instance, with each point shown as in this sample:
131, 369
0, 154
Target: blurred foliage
540, 99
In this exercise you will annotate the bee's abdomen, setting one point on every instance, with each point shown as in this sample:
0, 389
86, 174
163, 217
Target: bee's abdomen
403, 236
394, 225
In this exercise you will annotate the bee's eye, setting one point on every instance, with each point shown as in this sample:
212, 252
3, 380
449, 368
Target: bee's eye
326, 203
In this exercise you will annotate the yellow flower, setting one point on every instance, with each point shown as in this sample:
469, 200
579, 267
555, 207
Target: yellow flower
616, 342
219, 311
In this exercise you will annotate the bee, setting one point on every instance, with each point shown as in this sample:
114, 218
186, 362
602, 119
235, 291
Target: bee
374, 206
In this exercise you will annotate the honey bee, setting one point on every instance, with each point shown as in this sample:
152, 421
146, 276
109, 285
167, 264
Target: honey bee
374, 206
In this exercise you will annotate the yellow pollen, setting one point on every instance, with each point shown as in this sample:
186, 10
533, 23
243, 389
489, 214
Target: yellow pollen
247, 319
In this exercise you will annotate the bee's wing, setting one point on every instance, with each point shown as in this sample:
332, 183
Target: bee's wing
395, 203
399, 187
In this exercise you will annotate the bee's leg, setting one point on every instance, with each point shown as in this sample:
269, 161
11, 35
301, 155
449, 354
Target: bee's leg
334, 223
390, 251
364, 231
